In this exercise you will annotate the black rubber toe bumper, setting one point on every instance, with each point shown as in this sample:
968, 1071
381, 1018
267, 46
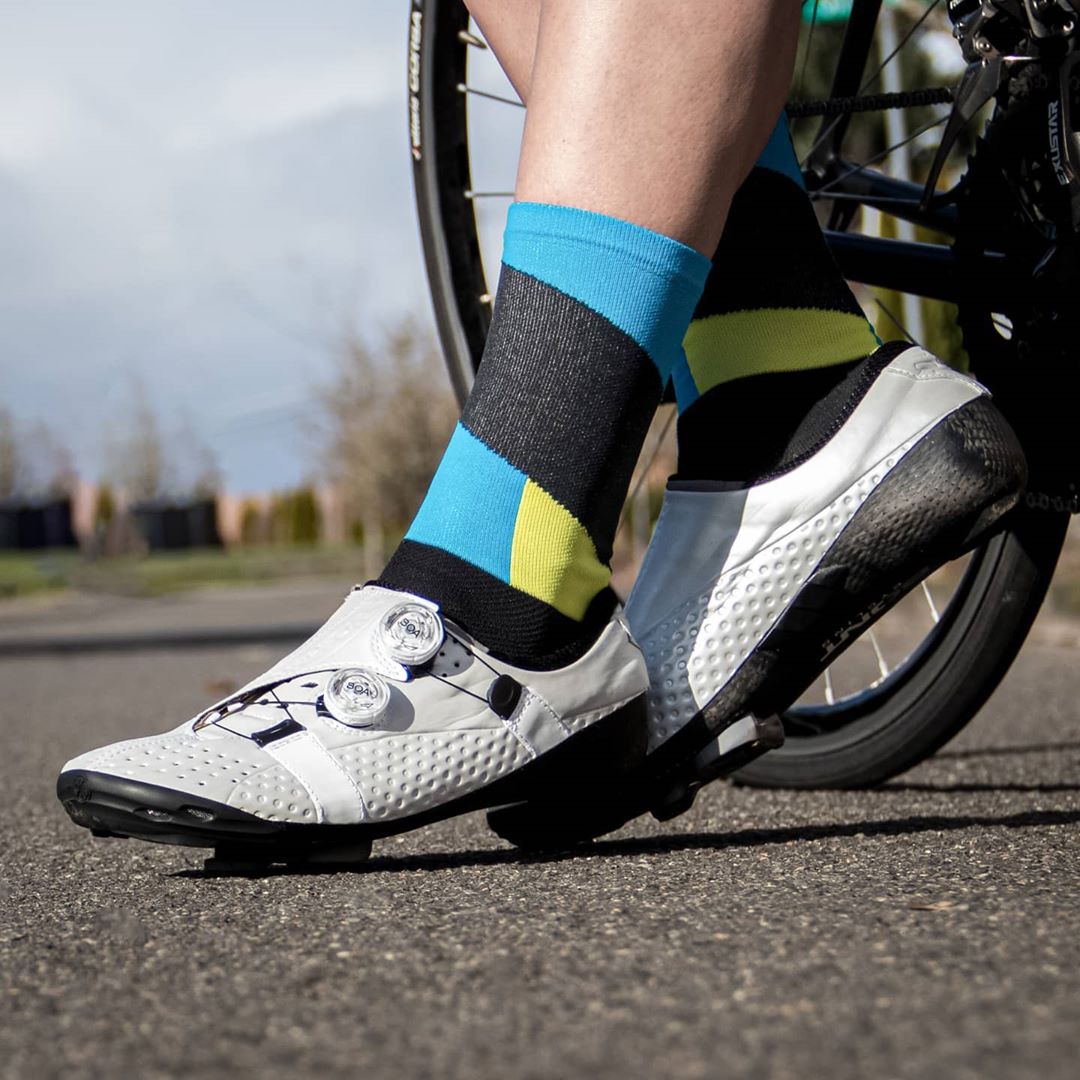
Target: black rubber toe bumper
116, 806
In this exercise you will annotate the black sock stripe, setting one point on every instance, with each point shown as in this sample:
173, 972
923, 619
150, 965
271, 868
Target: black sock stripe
545, 348
772, 254
805, 409
509, 623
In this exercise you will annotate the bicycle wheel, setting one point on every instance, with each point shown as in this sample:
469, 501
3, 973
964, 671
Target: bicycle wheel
904, 687
439, 44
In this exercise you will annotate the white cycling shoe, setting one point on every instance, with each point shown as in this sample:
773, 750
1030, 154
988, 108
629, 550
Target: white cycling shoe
388, 718
746, 593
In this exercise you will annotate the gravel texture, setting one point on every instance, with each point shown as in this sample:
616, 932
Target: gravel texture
930, 928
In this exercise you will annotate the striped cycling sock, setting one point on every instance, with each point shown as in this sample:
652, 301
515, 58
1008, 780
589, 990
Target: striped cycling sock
515, 534
775, 335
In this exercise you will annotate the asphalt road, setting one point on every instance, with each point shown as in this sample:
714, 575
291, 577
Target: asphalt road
927, 929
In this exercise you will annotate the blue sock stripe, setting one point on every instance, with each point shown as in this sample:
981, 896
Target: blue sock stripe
472, 505
686, 391
779, 154
644, 283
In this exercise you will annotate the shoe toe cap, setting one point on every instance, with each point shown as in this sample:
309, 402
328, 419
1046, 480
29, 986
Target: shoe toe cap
180, 761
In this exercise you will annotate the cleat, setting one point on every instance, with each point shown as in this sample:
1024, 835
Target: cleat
738, 745
348, 855
546, 824
748, 592
235, 865
388, 718
254, 860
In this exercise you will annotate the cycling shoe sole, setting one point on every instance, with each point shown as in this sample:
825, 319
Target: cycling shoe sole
119, 807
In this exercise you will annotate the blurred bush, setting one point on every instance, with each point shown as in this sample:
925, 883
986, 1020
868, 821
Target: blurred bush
387, 413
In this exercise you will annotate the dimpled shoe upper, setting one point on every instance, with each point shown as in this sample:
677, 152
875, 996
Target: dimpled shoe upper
382, 713
724, 563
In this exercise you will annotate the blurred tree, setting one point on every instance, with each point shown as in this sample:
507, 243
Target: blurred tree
33, 461
104, 506
50, 467
252, 523
208, 479
279, 519
193, 468
294, 517
9, 455
149, 460
135, 452
304, 516
388, 414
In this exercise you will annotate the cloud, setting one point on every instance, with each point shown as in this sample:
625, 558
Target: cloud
200, 195
262, 101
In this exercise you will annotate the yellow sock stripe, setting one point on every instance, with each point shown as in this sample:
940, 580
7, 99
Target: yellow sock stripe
721, 348
553, 557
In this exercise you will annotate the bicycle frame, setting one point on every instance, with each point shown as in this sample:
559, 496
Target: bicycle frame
986, 280
933, 271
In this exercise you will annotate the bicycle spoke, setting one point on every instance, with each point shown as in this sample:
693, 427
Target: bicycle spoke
471, 39
817, 192
903, 41
830, 128
809, 43
462, 88
830, 697
934, 613
895, 321
883, 667
489, 194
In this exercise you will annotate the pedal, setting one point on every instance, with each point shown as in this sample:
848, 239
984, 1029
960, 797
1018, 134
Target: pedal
733, 748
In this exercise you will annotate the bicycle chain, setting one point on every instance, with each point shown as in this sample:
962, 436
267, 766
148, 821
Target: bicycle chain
831, 107
1041, 500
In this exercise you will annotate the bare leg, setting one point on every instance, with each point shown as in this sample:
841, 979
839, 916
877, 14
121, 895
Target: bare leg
652, 114
511, 30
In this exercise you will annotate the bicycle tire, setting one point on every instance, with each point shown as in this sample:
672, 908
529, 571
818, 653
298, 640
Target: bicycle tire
1009, 580
894, 727
943, 685
438, 136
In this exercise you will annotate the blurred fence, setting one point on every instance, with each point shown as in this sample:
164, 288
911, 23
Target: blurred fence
28, 526
168, 526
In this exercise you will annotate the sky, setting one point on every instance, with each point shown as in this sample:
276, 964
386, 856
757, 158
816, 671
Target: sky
199, 198
198, 201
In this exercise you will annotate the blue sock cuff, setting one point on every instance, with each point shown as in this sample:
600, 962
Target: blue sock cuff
779, 154
644, 283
